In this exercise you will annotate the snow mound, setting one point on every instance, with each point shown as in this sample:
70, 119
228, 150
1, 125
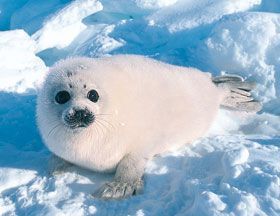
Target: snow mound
8, 180
190, 14
62, 28
20, 69
248, 43
95, 41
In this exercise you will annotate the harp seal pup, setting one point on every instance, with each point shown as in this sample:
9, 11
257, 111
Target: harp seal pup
115, 113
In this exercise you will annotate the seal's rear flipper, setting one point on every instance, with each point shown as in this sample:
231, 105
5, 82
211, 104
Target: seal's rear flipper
239, 96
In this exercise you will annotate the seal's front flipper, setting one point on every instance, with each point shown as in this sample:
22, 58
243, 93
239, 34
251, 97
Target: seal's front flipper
127, 181
239, 95
119, 189
57, 165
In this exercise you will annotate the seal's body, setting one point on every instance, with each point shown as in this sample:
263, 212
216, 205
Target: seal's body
114, 113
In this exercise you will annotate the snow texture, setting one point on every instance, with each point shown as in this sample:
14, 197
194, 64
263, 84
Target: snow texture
190, 14
234, 170
67, 21
245, 52
20, 68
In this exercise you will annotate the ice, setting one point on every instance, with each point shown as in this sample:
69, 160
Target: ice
234, 170
32, 14
7, 8
270, 6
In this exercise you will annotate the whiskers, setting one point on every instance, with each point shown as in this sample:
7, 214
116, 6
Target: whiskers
102, 120
103, 126
58, 126
99, 131
53, 129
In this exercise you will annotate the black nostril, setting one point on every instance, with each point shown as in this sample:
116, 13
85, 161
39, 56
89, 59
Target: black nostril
79, 114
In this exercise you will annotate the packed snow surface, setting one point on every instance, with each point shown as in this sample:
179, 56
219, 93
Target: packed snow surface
234, 170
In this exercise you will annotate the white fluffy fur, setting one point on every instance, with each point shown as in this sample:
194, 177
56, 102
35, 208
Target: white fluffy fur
145, 107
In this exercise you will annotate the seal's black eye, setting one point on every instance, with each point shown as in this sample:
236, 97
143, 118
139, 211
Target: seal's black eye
62, 97
93, 95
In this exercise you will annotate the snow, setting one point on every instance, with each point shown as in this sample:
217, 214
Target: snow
95, 41
154, 4
234, 170
190, 14
247, 53
7, 179
23, 74
61, 28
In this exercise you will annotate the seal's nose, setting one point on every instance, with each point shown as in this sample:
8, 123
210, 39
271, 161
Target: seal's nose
83, 116
77, 117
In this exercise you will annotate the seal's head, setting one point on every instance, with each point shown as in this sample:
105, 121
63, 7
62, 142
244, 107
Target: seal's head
69, 99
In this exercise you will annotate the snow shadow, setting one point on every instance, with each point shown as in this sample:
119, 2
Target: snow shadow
19, 137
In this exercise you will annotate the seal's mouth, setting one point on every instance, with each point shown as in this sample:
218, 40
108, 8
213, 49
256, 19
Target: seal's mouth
76, 126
